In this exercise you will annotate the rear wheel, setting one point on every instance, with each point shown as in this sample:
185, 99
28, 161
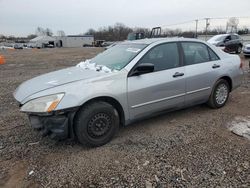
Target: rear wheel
219, 95
96, 123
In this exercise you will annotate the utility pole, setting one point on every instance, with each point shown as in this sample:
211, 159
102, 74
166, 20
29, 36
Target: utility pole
196, 28
207, 24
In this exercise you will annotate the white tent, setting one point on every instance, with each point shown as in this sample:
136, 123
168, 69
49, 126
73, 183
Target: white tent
41, 40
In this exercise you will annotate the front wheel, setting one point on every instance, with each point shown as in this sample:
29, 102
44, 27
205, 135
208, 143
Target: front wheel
219, 95
239, 49
96, 123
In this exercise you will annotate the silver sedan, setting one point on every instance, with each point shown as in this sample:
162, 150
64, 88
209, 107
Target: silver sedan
126, 83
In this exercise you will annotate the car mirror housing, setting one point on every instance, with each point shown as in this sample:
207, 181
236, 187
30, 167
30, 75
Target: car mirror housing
143, 69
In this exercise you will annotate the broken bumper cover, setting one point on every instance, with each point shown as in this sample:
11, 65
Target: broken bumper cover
57, 125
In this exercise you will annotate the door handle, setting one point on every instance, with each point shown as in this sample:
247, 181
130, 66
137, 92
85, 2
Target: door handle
215, 66
178, 74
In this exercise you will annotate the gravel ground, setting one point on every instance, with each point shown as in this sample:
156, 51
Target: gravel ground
187, 148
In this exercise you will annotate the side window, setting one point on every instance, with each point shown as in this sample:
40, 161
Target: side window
213, 56
228, 38
233, 37
195, 53
164, 56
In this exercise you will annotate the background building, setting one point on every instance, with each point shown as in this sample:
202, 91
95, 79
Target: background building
70, 41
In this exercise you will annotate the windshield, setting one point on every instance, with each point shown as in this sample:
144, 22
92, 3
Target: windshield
218, 38
119, 56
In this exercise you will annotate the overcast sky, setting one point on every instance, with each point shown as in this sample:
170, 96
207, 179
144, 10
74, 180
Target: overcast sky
22, 17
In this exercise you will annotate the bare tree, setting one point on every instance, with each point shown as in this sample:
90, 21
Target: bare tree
48, 32
2, 36
243, 30
220, 30
61, 33
90, 32
117, 32
43, 32
40, 31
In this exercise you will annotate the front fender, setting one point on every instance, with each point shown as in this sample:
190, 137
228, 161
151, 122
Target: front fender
79, 92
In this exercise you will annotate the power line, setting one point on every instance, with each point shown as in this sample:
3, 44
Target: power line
203, 19
180, 23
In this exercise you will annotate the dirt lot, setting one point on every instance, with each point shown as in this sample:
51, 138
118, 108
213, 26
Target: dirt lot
187, 148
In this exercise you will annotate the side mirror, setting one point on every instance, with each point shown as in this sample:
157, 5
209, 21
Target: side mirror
143, 69
226, 40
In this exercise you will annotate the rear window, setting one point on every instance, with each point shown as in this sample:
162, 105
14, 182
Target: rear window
213, 56
195, 53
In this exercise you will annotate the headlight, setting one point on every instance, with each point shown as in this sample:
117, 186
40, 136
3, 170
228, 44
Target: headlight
43, 104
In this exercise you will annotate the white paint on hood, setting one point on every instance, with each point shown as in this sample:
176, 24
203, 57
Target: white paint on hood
87, 65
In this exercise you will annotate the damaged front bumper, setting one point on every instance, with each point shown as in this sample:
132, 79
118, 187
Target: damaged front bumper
58, 125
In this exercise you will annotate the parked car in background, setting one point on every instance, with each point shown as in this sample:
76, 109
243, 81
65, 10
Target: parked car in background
228, 42
48, 45
18, 46
98, 43
246, 49
107, 43
130, 81
112, 45
6, 47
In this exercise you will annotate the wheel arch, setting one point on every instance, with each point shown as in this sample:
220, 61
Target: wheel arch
229, 80
112, 101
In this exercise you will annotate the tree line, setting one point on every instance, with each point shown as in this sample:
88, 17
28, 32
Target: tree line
119, 32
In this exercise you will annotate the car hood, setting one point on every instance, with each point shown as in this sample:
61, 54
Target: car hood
53, 79
247, 45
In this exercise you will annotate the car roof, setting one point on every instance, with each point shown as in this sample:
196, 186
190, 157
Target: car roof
148, 41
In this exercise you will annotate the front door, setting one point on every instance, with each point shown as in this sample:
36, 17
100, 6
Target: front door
159, 90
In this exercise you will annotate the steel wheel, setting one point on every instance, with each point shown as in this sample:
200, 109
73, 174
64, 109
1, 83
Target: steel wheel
96, 123
99, 125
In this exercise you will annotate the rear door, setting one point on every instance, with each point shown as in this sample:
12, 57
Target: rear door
202, 68
229, 47
162, 89
235, 42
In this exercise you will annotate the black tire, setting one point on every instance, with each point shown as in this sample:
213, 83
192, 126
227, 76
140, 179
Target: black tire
96, 123
214, 100
238, 49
